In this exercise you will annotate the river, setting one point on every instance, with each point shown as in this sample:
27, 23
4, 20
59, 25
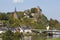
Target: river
32, 38
37, 37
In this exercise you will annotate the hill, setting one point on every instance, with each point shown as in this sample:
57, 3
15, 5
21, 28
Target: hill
33, 18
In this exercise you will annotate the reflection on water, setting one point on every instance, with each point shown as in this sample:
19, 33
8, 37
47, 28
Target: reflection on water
37, 37
33, 38
57, 35
27, 37
0, 38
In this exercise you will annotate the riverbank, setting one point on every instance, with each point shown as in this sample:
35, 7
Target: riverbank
54, 39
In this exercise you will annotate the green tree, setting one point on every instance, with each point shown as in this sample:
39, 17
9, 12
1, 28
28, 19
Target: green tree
14, 22
8, 35
3, 16
54, 23
17, 35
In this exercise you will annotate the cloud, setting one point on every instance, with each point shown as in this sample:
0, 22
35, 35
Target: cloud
18, 1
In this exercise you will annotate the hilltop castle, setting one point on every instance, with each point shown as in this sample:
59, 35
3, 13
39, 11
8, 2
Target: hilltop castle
35, 16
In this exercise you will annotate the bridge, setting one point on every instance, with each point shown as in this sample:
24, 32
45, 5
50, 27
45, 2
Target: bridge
51, 30
54, 32
49, 33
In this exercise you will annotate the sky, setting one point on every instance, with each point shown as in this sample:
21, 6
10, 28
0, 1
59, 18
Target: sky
50, 8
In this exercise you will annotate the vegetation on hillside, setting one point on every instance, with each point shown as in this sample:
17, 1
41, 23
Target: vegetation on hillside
32, 18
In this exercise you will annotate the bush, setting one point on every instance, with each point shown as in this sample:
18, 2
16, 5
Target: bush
8, 35
17, 35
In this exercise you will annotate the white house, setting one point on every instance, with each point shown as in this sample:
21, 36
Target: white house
1, 32
47, 27
27, 31
21, 30
25, 14
32, 14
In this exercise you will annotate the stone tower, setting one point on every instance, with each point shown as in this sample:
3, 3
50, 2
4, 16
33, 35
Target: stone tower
39, 9
39, 12
15, 14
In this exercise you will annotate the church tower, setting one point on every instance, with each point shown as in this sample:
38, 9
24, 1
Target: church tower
15, 14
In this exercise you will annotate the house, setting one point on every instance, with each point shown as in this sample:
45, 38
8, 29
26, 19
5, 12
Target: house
21, 30
47, 27
1, 24
13, 30
25, 30
3, 29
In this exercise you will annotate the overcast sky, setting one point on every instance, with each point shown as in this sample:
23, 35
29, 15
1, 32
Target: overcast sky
51, 8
